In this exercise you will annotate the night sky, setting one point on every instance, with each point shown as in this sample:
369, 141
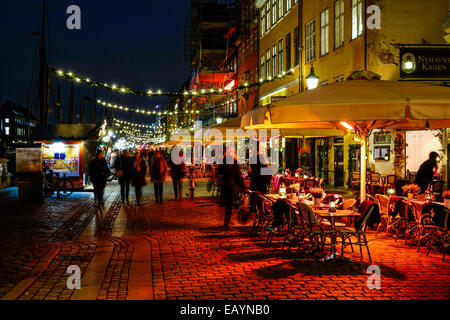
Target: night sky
133, 43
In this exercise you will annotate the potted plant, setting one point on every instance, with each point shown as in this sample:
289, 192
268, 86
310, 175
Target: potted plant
317, 194
411, 189
446, 196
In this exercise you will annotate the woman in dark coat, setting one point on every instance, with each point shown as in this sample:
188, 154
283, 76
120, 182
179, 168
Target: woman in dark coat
139, 172
158, 172
98, 172
232, 185
124, 172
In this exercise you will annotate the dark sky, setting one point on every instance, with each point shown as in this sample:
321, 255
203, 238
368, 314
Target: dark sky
133, 43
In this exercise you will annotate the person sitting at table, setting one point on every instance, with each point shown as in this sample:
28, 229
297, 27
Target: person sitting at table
426, 171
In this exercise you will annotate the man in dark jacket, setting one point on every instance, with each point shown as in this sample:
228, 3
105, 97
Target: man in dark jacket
232, 185
124, 167
426, 171
99, 172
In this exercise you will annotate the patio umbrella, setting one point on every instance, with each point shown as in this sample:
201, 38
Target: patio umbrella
360, 104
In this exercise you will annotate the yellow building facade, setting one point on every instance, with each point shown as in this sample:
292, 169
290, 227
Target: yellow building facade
333, 37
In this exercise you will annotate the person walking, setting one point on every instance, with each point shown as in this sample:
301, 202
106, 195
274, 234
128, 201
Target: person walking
139, 172
232, 185
258, 181
98, 172
178, 172
124, 172
426, 171
158, 172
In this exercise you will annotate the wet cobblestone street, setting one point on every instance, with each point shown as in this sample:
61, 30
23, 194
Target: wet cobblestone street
178, 250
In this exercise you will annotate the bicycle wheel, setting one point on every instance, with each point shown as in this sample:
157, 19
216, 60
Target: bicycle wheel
66, 188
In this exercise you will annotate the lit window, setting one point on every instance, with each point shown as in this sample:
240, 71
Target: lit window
6, 120
7, 131
268, 64
280, 56
274, 11
311, 41
280, 9
324, 27
338, 24
267, 16
288, 5
263, 21
357, 24
274, 60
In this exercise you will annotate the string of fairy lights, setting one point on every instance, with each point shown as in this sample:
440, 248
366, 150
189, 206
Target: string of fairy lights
137, 131
145, 111
155, 93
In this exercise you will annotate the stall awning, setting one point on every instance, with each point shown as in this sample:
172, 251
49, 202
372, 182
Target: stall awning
358, 101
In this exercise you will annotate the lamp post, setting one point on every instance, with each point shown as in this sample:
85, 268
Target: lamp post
312, 80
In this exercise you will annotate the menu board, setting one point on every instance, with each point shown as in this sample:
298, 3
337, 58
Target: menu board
62, 158
28, 160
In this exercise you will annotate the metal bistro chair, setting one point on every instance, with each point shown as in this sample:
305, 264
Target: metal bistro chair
282, 220
383, 204
264, 215
408, 221
313, 230
359, 229
441, 236
437, 187
355, 179
310, 183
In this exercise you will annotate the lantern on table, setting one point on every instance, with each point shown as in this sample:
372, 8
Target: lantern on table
282, 190
332, 206
390, 191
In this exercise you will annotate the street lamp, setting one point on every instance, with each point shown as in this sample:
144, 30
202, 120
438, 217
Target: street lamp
219, 120
312, 80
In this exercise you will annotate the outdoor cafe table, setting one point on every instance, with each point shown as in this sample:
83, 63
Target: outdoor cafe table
419, 205
325, 214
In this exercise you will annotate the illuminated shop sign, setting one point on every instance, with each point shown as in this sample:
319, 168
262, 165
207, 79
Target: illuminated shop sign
427, 62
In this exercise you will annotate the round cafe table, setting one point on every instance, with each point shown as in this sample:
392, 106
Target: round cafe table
331, 216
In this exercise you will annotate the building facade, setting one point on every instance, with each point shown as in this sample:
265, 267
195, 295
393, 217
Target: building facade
331, 39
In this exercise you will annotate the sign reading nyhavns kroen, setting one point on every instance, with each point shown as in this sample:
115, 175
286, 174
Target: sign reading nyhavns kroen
425, 62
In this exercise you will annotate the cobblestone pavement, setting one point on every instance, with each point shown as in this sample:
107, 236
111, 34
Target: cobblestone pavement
178, 250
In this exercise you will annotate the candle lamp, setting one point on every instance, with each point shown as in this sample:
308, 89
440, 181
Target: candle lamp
391, 191
332, 207
282, 191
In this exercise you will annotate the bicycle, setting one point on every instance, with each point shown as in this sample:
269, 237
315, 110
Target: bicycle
63, 186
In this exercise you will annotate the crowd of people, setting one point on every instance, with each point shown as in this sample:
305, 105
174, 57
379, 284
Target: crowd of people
131, 170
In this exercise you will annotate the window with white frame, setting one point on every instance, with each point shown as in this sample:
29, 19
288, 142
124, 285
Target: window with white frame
288, 51
268, 16
310, 41
357, 25
274, 11
324, 32
263, 22
280, 9
280, 56
338, 24
274, 60
288, 5
268, 64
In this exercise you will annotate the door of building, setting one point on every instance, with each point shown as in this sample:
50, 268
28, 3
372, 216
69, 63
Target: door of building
338, 165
